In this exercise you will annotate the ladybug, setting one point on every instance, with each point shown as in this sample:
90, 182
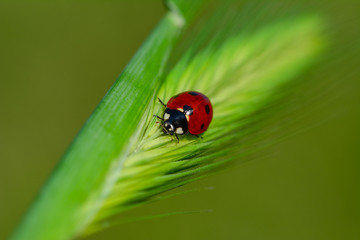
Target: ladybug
187, 112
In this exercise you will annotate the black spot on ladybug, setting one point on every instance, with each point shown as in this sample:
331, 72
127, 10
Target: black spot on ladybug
207, 109
202, 126
188, 110
193, 93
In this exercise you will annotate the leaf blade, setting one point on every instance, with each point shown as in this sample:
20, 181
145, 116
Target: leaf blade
96, 152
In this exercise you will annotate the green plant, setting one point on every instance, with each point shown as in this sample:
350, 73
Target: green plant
121, 158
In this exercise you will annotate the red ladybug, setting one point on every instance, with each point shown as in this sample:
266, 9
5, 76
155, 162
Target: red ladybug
187, 112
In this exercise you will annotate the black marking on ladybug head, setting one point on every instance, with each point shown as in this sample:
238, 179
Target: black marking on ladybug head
202, 126
188, 110
193, 93
207, 109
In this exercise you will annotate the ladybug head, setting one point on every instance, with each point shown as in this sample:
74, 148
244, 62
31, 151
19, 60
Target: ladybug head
174, 121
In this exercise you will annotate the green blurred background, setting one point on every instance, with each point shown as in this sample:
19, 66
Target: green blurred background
58, 59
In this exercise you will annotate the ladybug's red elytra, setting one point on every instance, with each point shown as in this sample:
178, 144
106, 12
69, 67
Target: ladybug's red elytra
187, 112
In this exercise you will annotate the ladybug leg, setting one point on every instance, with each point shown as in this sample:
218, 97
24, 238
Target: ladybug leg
198, 136
161, 102
159, 117
177, 138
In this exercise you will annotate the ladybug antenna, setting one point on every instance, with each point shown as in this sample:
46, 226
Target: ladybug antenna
164, 128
